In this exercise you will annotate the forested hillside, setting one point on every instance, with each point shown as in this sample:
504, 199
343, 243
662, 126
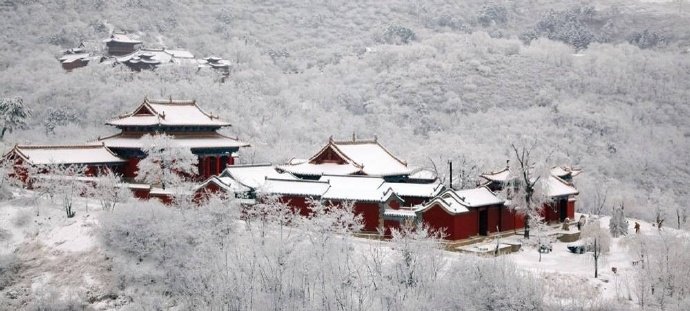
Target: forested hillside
598, 84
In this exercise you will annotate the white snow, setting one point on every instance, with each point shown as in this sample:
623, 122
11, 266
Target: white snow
75, 236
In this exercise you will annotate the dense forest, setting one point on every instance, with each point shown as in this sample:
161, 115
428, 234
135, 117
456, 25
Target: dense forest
602, 85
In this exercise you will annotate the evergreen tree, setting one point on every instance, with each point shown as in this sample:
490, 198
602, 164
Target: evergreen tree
14, 114
619, 224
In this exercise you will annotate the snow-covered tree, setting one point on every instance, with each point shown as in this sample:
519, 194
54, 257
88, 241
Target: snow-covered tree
63, 183
166, 163
108, 190
14, 114
618, 225
58, 117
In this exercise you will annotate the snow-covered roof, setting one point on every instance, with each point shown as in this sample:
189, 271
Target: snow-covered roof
226, 183
373, 158
121, 38
255, 175
357, 188
399, 212
500, 176
310, 188
69, 58
427, 190
158, 56
182, 139
180, 53
214, 62
66, 154
556, 187
357, 156
423, 174
477, 197
564, 171
168, 112
459, 201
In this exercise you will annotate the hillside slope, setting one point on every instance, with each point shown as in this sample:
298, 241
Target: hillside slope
464, 87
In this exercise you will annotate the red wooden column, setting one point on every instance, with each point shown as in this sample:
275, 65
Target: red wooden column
218, 165
207, 168
231, 160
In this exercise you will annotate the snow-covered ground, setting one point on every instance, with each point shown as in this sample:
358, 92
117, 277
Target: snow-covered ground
61, 259
58, 259
562, 264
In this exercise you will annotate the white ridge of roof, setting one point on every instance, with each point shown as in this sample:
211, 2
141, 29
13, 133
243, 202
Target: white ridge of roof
556, 187
183, 140
399, 212
254, 176
356, 188
67, 154
168, 112
298, 187
309, 169
426, 190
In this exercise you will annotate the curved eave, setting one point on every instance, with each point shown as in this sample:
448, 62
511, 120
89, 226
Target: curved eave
118, 124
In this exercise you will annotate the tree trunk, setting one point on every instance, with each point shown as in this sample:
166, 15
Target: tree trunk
596, 260
526, 227
2, 134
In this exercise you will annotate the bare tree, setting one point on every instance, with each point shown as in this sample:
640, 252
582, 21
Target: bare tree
599, 200
530, 202
597, 240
